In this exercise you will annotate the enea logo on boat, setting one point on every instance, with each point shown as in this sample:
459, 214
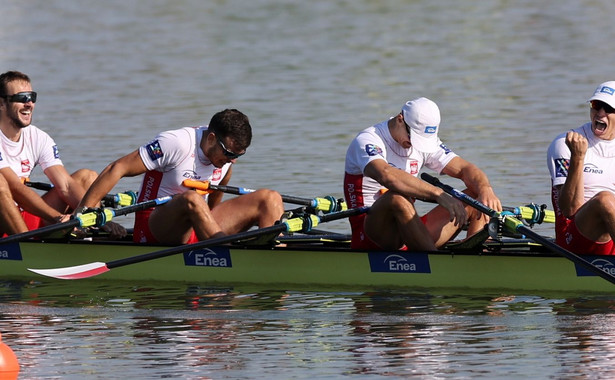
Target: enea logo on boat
399, 262
10, 251
219, 257
605, 263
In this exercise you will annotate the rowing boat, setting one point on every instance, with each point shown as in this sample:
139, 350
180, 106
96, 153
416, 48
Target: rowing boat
322, 260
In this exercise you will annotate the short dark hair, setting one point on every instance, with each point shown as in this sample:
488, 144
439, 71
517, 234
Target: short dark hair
10, 76
234, 124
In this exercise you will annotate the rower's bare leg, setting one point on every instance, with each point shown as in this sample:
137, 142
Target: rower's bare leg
83, 177
440, 227
393, 221
173, 222
261, 208
596, 218
11, 221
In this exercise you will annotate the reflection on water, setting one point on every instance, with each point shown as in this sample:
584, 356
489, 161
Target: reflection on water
186, 331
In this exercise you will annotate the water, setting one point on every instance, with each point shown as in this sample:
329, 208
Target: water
508, 77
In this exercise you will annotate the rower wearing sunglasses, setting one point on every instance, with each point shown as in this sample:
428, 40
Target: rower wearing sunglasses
23, 147
582, 167
204, 153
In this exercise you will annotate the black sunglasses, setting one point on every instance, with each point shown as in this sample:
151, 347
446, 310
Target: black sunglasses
598, 105
22, 97
228, 153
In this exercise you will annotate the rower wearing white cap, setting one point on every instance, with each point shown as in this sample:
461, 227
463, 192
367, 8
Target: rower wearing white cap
582, 167
382, 165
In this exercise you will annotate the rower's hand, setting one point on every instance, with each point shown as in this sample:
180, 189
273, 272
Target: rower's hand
115, 230
488, 198
577, 143
457, 211
62, 218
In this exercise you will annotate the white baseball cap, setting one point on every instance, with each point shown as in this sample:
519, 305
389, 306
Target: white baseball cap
605, 92
423, 117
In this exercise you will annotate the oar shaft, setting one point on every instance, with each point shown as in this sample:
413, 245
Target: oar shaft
291, 225
326, 204
517, 226
41, 231
94, 217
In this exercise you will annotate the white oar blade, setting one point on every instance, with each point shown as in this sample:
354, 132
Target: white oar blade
74, 273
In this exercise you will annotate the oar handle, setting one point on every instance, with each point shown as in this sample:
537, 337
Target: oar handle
99, 216
516, 225
325, 204
126, 198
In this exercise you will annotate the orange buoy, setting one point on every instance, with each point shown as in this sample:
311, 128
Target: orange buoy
9, 366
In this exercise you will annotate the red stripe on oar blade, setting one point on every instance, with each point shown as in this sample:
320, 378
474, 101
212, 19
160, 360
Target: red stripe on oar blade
74, 273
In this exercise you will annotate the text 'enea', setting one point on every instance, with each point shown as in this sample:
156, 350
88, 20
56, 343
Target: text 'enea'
399, 262
219, 257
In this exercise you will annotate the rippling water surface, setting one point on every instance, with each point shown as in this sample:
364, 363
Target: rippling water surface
508, 77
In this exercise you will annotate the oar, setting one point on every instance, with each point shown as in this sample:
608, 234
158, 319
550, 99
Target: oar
126, 198
325, 204
92, 217
298, 224
516, 225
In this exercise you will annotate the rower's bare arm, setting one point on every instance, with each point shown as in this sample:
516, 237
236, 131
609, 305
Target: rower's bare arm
571, 193
127, 166
475, 180
401, 182
27, 198
69, 190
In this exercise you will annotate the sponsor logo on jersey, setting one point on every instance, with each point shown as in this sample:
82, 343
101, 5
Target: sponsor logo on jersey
219, 257
154, 150
592, 169
25, 166
56, 152
373, 150
399, 262
431, 129
191, 174
561, 167
1, 159
445, 148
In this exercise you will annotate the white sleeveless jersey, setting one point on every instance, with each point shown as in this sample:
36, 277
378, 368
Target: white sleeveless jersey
598, 168
172, 157
34, 148
376, 143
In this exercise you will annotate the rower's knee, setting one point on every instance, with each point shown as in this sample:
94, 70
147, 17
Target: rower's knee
399, 203
190, 201
604, 201
271, 200
85, 177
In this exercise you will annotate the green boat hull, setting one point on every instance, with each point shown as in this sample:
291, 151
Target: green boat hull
517, 267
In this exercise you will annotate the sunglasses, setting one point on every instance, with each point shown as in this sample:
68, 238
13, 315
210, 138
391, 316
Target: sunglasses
22, 97
230, 155
598, 105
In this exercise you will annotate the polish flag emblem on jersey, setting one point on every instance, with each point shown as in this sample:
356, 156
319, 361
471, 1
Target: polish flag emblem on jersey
414, 167
25, 166
217, 175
